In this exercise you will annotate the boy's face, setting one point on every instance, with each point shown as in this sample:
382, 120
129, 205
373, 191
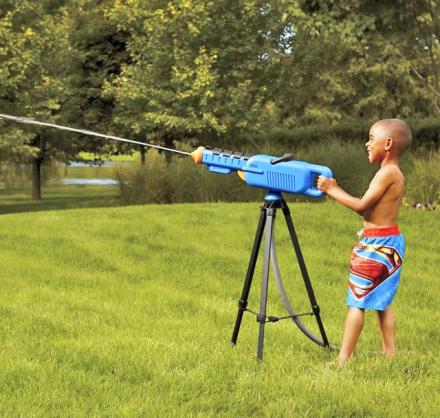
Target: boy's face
377, 144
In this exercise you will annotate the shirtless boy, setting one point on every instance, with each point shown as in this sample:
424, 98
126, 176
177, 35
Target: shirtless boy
376, 261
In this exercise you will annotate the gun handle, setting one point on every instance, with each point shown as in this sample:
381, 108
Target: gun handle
320, 171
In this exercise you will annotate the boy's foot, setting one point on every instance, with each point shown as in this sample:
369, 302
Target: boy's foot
341, 361
335, 363
332, 365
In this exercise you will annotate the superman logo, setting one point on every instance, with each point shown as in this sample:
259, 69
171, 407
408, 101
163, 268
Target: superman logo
370, 265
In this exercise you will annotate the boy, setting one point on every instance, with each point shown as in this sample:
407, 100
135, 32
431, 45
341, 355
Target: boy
376, 261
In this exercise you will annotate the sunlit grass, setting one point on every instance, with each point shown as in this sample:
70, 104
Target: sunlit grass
89, 156
129, 312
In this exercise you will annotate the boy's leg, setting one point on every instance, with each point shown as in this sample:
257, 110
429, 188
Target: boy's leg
387, 326
353, 327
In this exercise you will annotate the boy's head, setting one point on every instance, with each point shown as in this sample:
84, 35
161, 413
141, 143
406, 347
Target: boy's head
388, 136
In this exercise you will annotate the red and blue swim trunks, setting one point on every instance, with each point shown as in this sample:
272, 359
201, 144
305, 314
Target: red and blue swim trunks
375, 267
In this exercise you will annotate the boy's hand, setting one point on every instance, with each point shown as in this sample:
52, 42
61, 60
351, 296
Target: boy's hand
325, 184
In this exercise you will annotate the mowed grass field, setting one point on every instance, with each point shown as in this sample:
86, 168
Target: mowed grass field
59, 197
129, 311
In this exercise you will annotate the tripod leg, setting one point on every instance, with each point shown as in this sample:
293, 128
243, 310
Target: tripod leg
304, 273
261, 318
242, 304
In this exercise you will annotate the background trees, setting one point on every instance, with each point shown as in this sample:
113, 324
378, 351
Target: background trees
188, 70
36, 80
218, 67
55, 56
196, 68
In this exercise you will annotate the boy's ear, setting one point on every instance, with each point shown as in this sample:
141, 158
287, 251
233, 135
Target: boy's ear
388, 144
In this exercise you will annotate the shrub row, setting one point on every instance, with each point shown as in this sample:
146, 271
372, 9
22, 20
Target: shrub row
426, 134
182, 181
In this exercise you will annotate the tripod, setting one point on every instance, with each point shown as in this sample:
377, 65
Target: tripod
274, 201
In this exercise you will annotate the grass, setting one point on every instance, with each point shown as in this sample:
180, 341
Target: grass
128, 311
60, 197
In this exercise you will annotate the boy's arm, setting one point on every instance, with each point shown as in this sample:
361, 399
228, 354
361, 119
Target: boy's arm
380, 183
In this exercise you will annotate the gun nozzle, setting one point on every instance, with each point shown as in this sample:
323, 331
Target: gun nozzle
197, 155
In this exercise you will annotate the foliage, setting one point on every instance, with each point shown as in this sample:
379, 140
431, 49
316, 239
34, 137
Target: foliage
33, 73
226, 69
370, 60
100, 51
200, 71
422, 183
53, 67
159, 182
197, 68
35, 80
426, 135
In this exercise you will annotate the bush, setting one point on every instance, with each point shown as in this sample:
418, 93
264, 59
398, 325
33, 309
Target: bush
423, 183
182, 181
179, 181
426, 134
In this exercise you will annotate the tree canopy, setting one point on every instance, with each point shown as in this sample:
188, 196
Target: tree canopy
170, 70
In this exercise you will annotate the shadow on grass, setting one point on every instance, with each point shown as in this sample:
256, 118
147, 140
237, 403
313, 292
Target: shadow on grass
59, 198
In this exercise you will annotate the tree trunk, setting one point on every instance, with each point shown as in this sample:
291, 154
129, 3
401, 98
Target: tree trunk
142, 156
169, 143
36, 178
40, 143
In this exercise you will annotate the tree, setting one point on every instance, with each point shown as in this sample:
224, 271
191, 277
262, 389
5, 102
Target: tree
169, 70
197, 68
100, 50
360, 59
55, 59
34, 79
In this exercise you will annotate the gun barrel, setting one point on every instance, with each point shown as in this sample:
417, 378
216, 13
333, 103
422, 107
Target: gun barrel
218, 160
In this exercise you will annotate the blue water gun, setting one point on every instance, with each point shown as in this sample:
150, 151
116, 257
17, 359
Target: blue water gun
275, 174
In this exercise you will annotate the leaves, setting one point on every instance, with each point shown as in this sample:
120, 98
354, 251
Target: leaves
196, 69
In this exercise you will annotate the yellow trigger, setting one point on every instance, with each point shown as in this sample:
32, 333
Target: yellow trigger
241, 174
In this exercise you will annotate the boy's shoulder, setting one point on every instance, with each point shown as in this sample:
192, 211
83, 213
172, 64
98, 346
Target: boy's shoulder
389, 170
388, 175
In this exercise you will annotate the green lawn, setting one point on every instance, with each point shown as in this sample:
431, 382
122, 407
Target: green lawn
129, 311
59, 197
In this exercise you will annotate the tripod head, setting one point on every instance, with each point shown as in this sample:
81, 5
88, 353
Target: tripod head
276, 174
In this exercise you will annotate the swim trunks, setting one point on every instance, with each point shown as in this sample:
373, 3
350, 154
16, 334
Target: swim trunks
375, 267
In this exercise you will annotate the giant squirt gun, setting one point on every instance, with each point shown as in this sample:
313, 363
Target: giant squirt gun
276, 175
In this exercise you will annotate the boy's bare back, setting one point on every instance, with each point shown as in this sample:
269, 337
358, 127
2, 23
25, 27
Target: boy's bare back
384, 212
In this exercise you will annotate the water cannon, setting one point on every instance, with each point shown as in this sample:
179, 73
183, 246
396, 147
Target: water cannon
275, 174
